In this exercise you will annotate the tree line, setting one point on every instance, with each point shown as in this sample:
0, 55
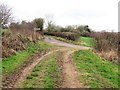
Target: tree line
6, 20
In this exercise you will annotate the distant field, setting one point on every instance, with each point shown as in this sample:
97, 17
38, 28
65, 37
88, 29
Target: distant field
96, 73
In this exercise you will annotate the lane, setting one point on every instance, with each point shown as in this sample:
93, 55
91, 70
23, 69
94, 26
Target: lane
60, 43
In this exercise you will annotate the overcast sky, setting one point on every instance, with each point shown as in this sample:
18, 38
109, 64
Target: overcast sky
98, 14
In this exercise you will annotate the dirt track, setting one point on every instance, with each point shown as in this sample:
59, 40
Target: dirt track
70, 75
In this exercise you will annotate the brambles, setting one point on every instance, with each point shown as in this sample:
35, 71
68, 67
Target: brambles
11, 44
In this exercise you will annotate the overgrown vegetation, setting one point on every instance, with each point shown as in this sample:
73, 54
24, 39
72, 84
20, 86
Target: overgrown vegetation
46, 74
106, 44
19, 35
105, 41
11, 44
96, 72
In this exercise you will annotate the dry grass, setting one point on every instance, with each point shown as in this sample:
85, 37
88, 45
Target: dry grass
111, 55
106, 45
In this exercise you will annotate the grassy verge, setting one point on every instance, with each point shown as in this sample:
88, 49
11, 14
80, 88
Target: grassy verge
46, 74
13, 62
85, 41
97, 73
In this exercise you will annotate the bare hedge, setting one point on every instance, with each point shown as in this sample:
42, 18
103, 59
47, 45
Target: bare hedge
67, 35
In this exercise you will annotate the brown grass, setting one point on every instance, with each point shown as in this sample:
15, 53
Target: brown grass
106, 45
111, 55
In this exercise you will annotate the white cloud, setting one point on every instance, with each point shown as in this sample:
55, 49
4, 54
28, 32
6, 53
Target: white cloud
98, 14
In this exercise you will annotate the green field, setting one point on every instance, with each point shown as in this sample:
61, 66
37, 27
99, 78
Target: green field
97, 73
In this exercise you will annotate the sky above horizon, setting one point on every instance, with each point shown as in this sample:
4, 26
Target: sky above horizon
98, 14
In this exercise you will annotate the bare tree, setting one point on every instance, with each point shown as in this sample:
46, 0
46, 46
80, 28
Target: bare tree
5, 14
49, 21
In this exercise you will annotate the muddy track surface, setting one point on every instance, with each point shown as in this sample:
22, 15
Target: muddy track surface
70, 74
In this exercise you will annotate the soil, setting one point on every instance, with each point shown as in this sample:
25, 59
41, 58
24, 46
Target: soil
70, 75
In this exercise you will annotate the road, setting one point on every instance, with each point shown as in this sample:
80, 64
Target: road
61, 43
